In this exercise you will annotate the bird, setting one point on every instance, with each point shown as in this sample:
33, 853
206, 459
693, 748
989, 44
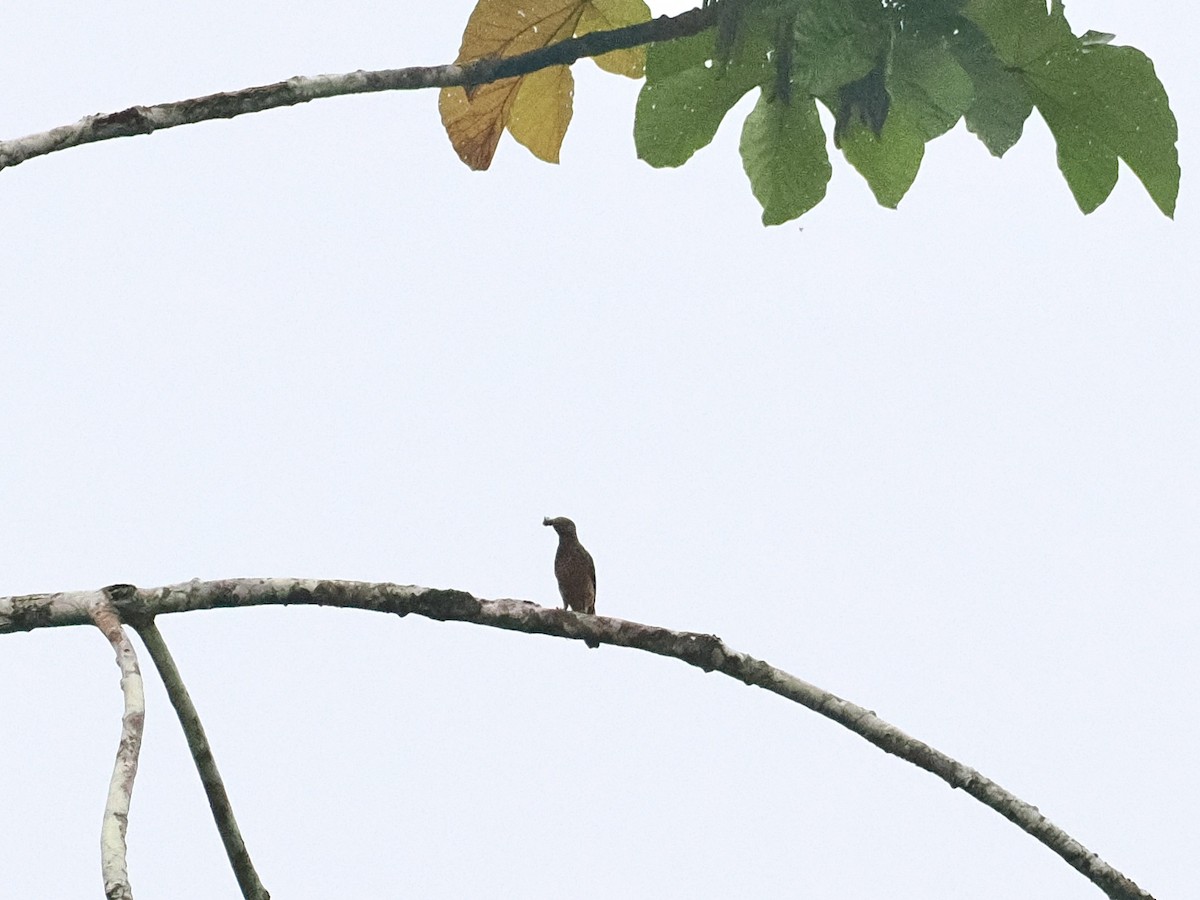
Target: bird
573, 567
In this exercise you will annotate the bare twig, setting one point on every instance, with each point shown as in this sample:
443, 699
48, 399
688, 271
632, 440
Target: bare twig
206, 765
705, 651
301, 89
120, 789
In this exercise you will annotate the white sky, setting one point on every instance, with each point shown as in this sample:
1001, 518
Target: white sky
941, 461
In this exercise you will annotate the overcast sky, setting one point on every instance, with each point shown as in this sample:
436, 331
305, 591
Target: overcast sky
941, 461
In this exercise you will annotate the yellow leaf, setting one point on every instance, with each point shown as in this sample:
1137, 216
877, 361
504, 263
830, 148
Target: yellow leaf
604, 15
537, 107
542, 111
500, 28
510, 27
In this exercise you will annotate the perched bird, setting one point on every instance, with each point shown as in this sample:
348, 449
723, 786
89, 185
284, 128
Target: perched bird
573, 567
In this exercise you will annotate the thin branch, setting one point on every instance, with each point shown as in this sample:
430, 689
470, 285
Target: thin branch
705, 651
206, 764
120, 789
301, 89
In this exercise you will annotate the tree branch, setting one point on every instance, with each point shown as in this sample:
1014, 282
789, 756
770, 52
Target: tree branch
120, 789
705, 651
206, 764
301, 89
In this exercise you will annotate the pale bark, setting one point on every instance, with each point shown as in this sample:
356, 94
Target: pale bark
705, 651
301, 89
113, 867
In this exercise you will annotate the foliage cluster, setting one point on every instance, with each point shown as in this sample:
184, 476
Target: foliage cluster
893, 73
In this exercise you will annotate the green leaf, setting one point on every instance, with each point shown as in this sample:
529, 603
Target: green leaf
1102, 102
930, 92
686, 95
896, 74
783, 152
889, 162
669, 58
834, 45
1089, 167
929, 85
1001, 103
1021, 31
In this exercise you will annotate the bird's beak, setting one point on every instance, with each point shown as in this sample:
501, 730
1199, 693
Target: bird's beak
546, 521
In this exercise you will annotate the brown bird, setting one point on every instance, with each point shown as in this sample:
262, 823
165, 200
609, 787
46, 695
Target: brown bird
574, 568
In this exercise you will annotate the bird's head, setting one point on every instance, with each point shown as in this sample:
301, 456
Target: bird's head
561, 525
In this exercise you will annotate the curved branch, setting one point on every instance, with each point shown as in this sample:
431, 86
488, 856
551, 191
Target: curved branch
206, 764
301, 89
120, 789
705, 651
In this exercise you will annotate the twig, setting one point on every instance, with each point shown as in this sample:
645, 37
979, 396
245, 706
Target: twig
206, 764
113, 866
705, 651
301, 89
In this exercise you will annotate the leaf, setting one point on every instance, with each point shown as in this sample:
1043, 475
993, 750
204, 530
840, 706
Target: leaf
536, 108
1103, 102
1001, 103
541, 111
474, 126
1089, 167
926, 81
1021, 31
889, 163
783, 153
835, 45
865, 101
604, 15
929, 94
687, 94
